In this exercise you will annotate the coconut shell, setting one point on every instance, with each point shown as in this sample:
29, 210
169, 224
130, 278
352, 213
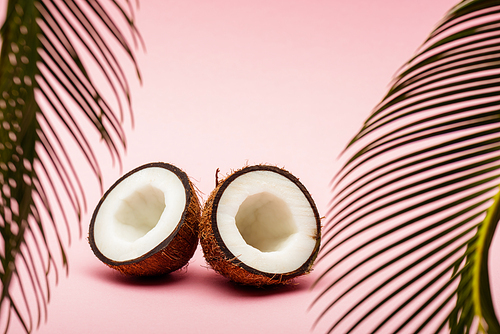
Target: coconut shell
220, 258
175, 251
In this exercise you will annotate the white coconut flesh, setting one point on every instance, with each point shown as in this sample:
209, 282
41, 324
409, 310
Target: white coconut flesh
139, 213
266, 221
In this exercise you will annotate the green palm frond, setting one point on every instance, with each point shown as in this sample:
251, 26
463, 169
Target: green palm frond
417, 203
47, 94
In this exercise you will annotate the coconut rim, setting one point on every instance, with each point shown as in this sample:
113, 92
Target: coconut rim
306, 266
188, 191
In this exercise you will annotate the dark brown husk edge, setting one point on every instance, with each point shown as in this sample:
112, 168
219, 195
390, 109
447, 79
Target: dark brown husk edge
176, 250
223, 261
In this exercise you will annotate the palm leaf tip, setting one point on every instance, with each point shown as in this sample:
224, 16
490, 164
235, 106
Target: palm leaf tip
420, 188
44, 83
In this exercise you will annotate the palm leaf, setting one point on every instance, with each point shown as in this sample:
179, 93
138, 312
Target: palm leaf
47, 93
416, 203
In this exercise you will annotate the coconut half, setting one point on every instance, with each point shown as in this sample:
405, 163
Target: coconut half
147, 222
260, 226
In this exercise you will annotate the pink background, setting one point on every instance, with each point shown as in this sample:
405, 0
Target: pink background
225, 84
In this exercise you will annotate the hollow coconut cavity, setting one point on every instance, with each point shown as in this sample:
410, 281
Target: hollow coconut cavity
147, 222
260, 226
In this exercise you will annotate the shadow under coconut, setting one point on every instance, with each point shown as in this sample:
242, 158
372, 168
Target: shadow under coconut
253, 291
224, 285
112, 276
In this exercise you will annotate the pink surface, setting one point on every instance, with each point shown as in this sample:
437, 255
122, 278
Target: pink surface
225, 84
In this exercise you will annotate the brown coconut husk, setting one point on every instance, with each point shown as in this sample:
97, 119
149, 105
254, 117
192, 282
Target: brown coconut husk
176, 250
223, 261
